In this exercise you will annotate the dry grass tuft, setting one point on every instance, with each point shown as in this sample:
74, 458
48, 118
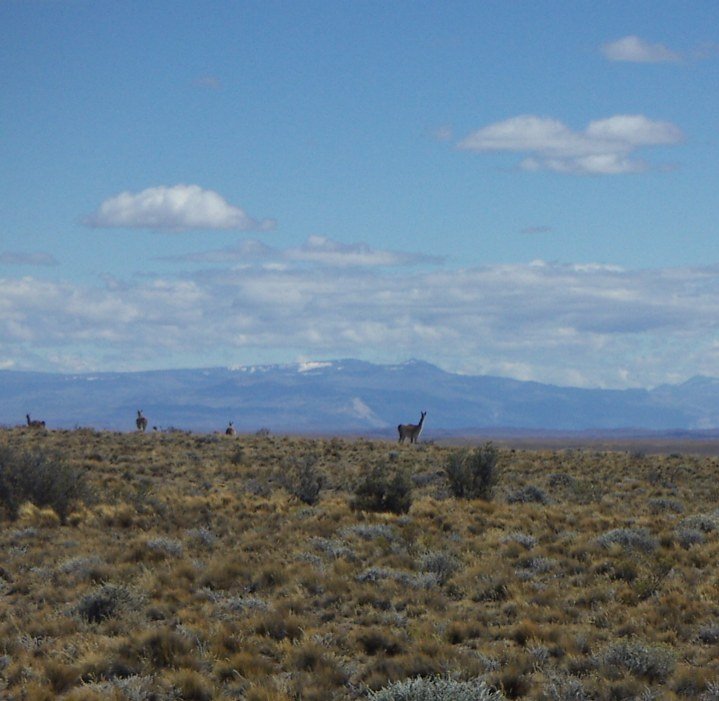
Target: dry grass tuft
30, 515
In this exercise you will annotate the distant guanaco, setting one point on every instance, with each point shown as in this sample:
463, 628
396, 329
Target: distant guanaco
230, 430
411, 431
140, 421
34, 423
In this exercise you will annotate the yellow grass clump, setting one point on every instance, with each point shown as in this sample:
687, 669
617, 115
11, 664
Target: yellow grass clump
31, 516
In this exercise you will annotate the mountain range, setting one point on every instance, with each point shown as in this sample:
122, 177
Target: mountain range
347, 397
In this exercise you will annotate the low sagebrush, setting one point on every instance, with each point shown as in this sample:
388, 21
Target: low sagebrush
527, 495
441, 564
709, 633
650, 662
436, 689
687, 537
629, 538
166, 547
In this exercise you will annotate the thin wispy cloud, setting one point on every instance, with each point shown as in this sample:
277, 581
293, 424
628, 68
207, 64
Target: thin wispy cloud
317, 250
705, 50
323, 250
443, 133
588, 324
19, 258
604, 147
633, 49
538, 229
173, 208
208, 82
242, 252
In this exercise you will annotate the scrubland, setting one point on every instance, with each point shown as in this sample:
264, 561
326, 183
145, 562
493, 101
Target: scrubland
186, 566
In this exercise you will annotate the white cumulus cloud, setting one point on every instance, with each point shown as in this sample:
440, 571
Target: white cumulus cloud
605, 147
636, 50
175, 208
633, 130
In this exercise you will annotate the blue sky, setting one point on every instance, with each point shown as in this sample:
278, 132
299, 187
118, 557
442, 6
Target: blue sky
515, 188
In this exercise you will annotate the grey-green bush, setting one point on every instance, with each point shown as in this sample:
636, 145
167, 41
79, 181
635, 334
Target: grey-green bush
651, 662
528, 495
440, 563
472, 474
436, 689
709, 633
630, 539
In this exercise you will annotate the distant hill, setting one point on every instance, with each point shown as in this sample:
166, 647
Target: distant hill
347, 396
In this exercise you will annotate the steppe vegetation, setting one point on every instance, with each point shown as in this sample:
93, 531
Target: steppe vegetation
188, 566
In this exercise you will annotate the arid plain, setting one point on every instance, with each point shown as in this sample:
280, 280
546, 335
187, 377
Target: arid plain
193, 566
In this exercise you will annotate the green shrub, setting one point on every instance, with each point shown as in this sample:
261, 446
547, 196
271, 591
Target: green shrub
383, 489
304, 479
106, 601
41, 478
473, 474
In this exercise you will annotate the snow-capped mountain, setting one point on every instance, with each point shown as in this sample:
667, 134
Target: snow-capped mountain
345, 396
